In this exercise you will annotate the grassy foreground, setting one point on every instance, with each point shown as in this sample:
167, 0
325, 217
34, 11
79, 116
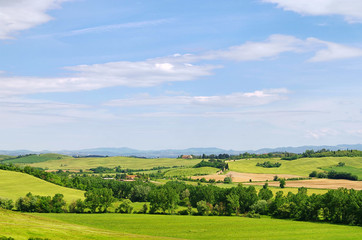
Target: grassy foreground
200, 227
14, 185
23, 226
301, 166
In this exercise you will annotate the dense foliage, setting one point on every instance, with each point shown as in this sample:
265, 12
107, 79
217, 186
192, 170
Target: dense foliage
213, 163
268, 164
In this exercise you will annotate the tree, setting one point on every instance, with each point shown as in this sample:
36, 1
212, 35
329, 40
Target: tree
282, 182
203, 208
228, 180
125, 206
100, 198
265, 193
165, 198
58, 203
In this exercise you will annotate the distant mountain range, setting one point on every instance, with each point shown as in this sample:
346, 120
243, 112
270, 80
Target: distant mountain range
172, 153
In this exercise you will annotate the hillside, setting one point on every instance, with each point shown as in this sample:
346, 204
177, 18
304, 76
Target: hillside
301, 166
14, 185
71, 163
34, 158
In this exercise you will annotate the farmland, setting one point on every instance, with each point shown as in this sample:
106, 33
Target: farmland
14, 185
71, 163
203, 227
301, 166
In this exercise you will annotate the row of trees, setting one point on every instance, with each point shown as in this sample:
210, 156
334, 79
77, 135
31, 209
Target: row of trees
336, 206
332, 174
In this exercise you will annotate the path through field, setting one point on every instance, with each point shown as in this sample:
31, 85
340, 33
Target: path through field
245, 177
318, 183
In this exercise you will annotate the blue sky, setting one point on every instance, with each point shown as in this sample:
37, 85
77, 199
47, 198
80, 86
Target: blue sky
175, 74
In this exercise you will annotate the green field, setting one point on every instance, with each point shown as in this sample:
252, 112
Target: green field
199, 227
14, 185
71, 163
22, 226
35, 158
301, 166
349, 169
185, 172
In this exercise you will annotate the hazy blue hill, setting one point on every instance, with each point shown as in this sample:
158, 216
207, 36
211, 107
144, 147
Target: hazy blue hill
173, 153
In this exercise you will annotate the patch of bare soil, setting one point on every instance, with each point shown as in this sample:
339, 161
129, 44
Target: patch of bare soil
245, 177
319, 183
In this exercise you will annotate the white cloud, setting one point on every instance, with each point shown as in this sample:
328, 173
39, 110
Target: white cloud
250, 51
333, 51
276, 45
18, 15
174, 68
351, 10
239, 99
90, 77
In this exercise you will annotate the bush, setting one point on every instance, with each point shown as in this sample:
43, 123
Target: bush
268, 164
125, 206
322, 175
260, 207
6, 203
313, 174
228, 180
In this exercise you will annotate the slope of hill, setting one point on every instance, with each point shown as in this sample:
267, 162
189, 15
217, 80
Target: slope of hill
34, 158
111, 162
301, 166
14, 185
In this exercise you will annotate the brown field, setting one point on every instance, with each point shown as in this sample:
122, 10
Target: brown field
318, 183
245, 177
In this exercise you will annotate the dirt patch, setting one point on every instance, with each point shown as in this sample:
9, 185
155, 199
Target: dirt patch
319, 183
245, 177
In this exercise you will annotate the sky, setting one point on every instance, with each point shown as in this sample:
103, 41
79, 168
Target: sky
164, 74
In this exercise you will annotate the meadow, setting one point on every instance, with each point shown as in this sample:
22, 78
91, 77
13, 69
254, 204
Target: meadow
14, 185
22, 226
208, 227
301, 166
71, 163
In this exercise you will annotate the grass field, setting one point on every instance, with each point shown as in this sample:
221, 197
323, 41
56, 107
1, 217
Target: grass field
302, 166
198, 227
14, 185
71, 163
36, 158
191, 171
23, 226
